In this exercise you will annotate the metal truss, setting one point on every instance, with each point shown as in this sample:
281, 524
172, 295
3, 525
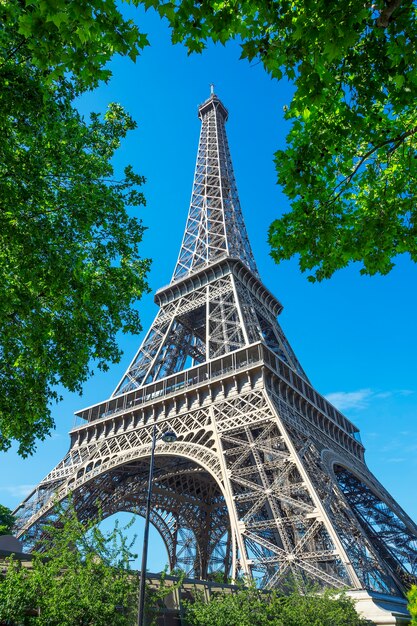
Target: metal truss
266, 479
205, 323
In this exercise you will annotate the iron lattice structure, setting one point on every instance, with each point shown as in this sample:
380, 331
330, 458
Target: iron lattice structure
267, 479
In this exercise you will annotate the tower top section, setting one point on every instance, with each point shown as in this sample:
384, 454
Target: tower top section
215, 228
213, 103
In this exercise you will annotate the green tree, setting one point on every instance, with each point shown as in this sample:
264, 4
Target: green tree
7, 520
250, 607
70, 268
81, 577
350, 164
412, 604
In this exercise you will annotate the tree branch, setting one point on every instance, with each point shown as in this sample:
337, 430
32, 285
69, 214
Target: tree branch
385, 15
397, 141
12, 53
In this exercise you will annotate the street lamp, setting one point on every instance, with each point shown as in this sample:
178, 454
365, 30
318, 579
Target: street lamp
168, 437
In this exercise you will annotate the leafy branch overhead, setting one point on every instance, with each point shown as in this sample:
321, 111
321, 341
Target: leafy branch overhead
349, 167
70, 266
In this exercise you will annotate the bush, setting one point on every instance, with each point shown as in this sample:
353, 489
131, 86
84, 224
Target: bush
412, 604
251, 607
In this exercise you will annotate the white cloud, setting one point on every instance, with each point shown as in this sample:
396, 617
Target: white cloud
350, 399
405, 392
345, 400
18, 491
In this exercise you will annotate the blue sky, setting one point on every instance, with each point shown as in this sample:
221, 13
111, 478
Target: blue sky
355, 336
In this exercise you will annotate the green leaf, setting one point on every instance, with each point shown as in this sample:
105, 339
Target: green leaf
306, 114
399, 80
59, 18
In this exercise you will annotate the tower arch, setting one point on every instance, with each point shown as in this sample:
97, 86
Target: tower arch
188, 502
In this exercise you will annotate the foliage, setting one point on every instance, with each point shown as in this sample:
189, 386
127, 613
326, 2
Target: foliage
79, 578
219, 577
7, 520
250, 607
412, 604
70, 268
350, 165
246, 607
67, 38
329, 609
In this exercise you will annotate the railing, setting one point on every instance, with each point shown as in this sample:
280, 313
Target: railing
199, 375
192, 377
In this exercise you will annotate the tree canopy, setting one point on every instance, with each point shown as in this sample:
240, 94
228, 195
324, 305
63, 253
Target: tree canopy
81, 577
350, 164
7, 520
70, 265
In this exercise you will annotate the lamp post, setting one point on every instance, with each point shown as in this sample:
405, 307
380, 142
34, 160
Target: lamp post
168, 437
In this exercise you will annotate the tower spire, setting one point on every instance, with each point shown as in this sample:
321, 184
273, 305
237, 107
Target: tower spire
215, 227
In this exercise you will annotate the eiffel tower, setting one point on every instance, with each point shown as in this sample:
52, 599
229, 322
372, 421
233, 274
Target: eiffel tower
267, 479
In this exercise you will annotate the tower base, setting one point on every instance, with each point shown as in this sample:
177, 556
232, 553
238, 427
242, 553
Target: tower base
381, 609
